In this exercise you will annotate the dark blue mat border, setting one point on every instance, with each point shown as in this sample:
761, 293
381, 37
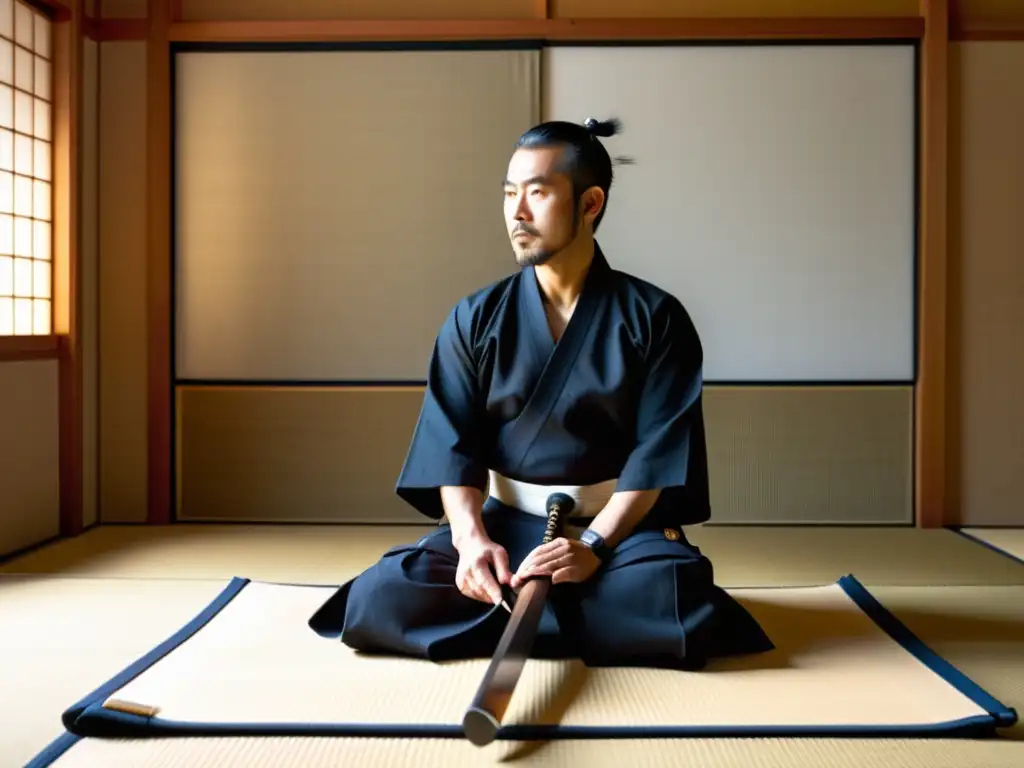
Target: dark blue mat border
88, 718
959, 529
54, 750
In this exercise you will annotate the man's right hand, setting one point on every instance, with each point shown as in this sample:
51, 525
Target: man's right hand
483, 566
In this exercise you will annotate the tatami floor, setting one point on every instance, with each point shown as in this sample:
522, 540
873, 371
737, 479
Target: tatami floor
74, 613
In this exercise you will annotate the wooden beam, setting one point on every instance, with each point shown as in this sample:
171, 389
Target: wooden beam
541, 28
67, 281
111, 30
17, 348
158, 253
992, 31
58, 10
548, 29
930, 461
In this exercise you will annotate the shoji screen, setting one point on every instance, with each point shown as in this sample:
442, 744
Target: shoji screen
331, 207
773, 191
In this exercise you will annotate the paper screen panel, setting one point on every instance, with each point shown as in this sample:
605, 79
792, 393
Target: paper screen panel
332, 206
772, 192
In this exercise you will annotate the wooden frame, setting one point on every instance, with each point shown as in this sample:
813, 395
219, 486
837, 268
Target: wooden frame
64, 343
158, 239
15, 348
68, 43
931, 479
163, 27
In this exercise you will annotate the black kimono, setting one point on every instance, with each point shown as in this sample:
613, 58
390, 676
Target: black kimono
618, 397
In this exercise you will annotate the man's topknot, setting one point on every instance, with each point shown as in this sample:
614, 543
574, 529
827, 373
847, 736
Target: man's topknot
603, 128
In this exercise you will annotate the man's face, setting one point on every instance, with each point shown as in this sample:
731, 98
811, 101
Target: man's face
538, 206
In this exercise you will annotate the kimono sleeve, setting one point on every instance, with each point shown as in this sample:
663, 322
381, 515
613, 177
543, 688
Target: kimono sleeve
447, 443
669, 450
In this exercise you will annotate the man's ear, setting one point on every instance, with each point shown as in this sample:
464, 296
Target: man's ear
593, 202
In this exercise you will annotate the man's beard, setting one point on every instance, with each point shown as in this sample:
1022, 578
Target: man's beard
535, 258
541, 256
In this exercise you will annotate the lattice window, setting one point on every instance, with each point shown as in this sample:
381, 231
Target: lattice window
26, 165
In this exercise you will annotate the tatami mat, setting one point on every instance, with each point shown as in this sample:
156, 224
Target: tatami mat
1009, 541
978, 629
828, 639
68, 635
742, 556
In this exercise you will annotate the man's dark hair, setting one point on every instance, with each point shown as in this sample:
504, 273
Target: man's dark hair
584, 159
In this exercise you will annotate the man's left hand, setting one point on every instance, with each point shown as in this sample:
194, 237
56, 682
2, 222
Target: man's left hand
564, 560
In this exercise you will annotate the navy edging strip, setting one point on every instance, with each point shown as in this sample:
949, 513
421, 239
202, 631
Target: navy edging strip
987, 545
103, 723
1003, 715
53, 751
91, 719
98, 696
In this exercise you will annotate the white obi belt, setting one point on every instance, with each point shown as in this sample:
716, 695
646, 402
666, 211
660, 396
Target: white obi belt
532, 499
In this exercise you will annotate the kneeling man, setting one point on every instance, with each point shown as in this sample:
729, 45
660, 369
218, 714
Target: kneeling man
566, 376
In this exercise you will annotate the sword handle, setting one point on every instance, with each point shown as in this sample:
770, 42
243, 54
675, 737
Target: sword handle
558, 507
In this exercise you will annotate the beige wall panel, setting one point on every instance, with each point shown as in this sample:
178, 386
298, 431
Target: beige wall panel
89, 255
29, 454
264, 10
294, 455
749, 8
124, 9
987, 283
810, 455
777, 455
122, 282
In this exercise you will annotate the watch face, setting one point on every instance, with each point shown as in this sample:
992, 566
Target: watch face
593, 540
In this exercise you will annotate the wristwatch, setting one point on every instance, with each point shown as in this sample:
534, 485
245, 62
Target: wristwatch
595, 542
